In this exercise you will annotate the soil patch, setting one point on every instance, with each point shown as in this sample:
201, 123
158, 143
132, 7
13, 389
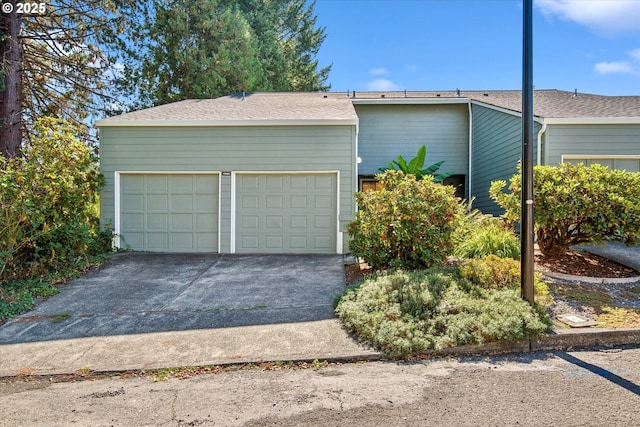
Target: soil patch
583, 264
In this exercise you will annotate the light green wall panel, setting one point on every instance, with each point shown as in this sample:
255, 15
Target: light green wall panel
387, 131
598, 139
220, 149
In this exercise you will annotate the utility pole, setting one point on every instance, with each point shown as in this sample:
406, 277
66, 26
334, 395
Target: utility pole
526, 222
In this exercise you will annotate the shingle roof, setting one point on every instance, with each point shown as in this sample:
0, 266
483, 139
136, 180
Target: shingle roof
251, 107
338, 106
546, 103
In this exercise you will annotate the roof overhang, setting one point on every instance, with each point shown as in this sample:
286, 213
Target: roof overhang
408, 101
592, 120
224, 123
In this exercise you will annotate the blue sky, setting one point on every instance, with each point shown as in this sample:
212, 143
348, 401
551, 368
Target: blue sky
589, 45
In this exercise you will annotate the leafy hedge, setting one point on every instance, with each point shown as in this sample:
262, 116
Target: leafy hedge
48, 197
577, 204
409, 223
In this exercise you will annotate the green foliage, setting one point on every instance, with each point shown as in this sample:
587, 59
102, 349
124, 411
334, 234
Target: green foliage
186, 49
408, 312
492, 272
576, 204
489, 236
416, 166
409, 223
46, 220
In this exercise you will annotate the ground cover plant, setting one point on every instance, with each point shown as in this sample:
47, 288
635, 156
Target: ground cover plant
406, 312
48, 220
576, 204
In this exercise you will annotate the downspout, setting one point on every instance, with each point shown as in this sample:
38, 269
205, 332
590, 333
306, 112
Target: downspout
539, 151
470, 149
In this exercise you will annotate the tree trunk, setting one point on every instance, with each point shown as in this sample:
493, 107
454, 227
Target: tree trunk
550, 244
11, 96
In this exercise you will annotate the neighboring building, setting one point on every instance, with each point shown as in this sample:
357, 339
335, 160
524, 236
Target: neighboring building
276, 172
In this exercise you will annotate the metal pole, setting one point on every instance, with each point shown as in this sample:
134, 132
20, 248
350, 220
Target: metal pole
526, 223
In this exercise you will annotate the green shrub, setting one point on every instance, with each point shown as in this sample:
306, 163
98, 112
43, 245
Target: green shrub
493, 272
409, 223
407, 312
48, 222
577, 204
490, 237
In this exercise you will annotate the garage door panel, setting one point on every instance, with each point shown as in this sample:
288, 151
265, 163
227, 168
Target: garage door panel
157, 184
156, 221
630, 165
298, 202
169, 212
157, 202
157, 240
274, 202
133, 201
286, 213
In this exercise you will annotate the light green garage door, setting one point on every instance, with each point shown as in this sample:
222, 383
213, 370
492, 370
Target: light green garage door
286, 213
169, 212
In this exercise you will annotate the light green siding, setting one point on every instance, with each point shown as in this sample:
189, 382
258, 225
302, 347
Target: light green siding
230, 149
387, 131
593, 140
286, 213
496, 150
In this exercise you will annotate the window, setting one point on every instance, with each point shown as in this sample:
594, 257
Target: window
370, 183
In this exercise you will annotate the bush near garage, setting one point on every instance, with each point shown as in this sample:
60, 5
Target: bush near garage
574, 204
408, 312
48, 219
409, 223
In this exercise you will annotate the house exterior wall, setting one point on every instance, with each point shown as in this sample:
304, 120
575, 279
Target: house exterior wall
496, 150
222, 149
590, 139
387, 131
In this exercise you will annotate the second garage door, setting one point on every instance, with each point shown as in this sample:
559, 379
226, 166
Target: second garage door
286, 213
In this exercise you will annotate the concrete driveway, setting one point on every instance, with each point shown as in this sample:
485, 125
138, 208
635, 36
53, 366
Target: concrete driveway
140, 293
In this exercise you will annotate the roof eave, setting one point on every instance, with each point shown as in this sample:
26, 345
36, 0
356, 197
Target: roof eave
225, 123
591, 120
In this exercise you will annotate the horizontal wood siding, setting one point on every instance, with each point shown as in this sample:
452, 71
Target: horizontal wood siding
598, 139
387, 131
277, 148
497, 148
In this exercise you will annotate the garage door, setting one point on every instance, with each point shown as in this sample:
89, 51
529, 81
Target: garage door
286, 213
169, 212
621, 163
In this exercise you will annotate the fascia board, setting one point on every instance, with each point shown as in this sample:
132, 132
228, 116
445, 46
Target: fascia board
592, 120
224, 123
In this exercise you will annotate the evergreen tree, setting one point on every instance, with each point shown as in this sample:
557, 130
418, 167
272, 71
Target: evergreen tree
205, 49
55, 63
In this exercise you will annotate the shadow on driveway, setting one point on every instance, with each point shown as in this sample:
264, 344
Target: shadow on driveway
137, 293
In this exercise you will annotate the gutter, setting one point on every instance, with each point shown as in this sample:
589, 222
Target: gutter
539, 148
470, 150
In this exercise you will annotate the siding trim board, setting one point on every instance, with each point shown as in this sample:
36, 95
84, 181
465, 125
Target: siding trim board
117, 194
234, 201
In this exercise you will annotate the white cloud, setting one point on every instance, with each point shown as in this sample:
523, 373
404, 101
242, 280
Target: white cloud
635, 54
617, 67
382, 85
604, 16
621, 67
378, 71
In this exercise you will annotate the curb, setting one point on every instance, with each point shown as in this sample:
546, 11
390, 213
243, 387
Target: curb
589, 280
